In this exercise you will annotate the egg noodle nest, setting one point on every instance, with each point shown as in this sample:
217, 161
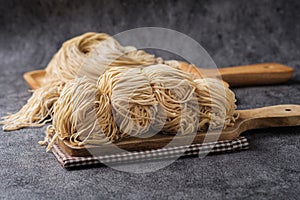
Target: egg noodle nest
98, 91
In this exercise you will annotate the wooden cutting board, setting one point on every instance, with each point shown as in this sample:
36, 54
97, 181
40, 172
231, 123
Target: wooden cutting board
255, 74
272, 116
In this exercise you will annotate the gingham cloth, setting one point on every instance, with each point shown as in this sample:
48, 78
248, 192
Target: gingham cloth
68, 161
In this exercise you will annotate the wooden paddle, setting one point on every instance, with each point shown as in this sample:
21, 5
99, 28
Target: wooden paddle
256, 74
272, 116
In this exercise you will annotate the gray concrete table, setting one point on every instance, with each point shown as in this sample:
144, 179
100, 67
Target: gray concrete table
233, 32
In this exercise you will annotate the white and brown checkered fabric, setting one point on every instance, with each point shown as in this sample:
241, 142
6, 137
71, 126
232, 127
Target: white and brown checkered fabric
68, 161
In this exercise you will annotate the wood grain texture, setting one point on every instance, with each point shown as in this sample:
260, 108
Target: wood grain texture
35, 78
272, 116
246, 75
256, 74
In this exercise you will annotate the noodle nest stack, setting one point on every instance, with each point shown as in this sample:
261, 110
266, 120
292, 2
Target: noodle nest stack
98, 91
135, 101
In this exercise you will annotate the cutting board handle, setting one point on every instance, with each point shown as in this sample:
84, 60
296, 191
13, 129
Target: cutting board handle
255, 74
271, 116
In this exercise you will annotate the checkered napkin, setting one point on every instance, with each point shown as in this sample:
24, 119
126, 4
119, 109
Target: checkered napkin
68, 161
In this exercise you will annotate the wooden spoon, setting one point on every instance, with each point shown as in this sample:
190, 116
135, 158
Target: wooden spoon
256, 74
272, 116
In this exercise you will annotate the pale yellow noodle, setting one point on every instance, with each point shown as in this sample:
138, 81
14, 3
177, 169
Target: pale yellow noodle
87, 55
38, 109
135, 101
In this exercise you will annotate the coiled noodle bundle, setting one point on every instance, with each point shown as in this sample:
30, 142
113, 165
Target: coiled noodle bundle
87, 55
129, 102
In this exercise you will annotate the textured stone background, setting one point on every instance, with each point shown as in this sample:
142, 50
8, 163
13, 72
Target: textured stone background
233, 32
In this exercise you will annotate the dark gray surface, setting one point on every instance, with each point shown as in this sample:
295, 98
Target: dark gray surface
233, 32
